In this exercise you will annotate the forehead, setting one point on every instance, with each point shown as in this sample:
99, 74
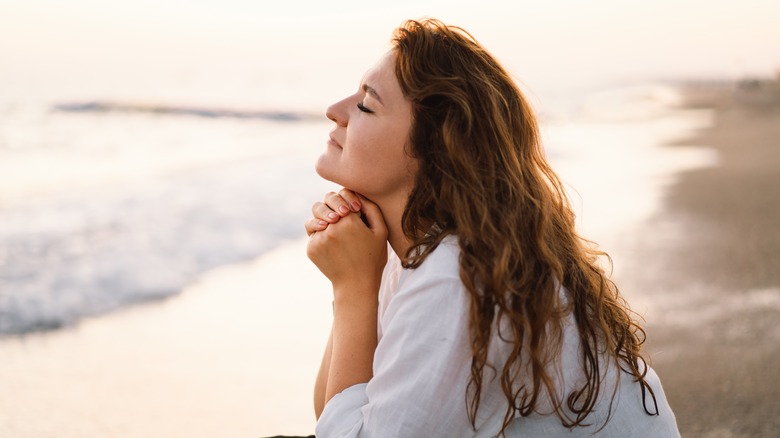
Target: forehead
381, 77
383, 66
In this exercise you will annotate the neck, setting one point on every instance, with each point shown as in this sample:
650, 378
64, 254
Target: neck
393, 211
397, 240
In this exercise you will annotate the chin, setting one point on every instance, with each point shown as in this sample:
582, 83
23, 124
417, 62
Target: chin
325, 169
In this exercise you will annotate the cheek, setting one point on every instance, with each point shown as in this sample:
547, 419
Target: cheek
380, 147
373, 161
364, 149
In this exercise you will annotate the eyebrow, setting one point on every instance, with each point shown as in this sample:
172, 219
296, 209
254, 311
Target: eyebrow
370, 90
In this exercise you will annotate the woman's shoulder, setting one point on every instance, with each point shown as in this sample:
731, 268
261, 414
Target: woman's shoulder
442, 261
438, 275
439, 270
429, 295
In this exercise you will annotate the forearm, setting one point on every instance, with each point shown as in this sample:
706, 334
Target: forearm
322, 377
352, 253
354, 340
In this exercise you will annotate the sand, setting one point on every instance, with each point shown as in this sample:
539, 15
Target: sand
233, 356
712, 256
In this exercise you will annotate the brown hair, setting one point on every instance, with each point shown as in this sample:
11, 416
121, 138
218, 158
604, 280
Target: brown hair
484, 178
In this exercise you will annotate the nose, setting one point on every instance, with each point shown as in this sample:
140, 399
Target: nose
338, 112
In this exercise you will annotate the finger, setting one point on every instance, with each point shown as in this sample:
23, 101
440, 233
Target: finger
337, 204
351, 198
373, 215
321, 211
314, 225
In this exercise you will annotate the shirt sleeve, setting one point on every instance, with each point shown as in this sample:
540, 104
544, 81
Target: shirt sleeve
421, 364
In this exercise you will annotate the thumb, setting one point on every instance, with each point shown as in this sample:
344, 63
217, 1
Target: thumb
374, 218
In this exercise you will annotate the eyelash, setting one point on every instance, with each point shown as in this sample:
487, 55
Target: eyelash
361, 107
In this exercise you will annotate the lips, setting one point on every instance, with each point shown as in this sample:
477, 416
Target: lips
332, 141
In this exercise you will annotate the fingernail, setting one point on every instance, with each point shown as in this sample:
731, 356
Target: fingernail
322, 224
343, 209
333, 215
355, 206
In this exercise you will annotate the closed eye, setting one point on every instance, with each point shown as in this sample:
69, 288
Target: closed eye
363, 108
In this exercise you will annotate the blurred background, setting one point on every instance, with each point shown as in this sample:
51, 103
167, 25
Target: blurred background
156, 167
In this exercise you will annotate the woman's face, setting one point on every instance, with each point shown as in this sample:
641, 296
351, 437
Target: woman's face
366, 151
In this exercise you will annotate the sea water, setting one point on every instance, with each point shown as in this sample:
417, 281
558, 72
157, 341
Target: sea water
101, 210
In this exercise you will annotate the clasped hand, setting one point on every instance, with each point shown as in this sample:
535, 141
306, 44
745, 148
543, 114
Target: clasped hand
351, 251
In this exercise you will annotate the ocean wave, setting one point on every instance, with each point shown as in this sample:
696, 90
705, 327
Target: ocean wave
186, 111
83, 254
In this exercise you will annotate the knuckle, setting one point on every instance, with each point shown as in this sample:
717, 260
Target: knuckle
322, 211
351, 218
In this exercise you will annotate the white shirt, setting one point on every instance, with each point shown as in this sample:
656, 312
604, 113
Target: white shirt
422, 366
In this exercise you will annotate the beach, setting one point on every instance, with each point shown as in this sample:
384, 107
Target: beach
157, 164
696, 250
235, 354
711, 259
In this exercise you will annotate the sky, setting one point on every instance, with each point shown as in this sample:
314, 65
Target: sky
315, 47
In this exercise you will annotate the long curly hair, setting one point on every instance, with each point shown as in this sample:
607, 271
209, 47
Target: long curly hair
484, 178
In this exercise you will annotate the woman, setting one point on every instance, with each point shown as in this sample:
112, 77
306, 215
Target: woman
487, 315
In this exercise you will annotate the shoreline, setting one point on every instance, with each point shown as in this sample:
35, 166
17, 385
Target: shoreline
231, 355
712, 256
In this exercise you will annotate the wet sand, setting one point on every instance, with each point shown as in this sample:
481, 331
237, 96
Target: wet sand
232, 356
712, 258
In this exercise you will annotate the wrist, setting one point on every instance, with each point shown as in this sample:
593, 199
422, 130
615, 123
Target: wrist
355, 297
356, 291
